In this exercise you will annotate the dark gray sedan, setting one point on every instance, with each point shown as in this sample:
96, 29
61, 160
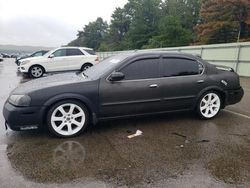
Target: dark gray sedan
122, 86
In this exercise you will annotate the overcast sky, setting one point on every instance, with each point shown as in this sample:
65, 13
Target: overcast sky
49, 22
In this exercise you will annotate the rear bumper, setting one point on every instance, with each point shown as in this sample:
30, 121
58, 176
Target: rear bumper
23, 118
234, 96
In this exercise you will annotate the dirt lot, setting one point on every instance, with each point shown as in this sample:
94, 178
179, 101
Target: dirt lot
175, 150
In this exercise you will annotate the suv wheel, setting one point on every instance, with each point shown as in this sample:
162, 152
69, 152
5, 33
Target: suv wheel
67, 118
36, 71
209, 105
86, 66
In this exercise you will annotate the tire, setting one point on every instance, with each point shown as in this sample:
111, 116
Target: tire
209, 105
67, 118
36, 71
86, 66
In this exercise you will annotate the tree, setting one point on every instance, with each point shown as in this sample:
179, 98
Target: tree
119, 27
171, 34
145, 16
92, 35
224, 21
176, 24
163, 23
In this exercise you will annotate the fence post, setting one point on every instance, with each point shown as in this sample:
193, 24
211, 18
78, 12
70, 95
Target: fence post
238, 59
202, 52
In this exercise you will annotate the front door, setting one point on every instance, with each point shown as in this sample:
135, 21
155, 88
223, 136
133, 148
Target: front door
138, 93
57, 62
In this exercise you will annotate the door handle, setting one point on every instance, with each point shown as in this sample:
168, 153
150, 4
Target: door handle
200, 81
153, 86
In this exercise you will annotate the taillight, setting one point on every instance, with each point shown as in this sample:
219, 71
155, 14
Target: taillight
97, 59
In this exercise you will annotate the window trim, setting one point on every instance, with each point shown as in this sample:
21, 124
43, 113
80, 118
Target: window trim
160, 57
197, 61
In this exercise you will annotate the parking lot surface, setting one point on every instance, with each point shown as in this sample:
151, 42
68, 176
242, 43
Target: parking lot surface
174, 150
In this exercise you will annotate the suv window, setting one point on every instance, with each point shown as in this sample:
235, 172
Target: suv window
141, 69
60, 53
91, 52
74, 52
181, 67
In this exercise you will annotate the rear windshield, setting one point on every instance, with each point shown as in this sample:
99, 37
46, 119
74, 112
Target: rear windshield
91, 52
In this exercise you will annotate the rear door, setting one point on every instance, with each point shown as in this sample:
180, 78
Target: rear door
182, 80
138, 93
75, 59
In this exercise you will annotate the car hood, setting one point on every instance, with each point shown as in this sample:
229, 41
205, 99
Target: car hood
32, 58
50, 81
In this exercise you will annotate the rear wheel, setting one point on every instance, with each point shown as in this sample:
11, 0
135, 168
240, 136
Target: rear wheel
209, 105
86, 66
67, 118
36, 71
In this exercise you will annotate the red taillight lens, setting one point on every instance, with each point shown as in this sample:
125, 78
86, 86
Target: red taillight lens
97, 59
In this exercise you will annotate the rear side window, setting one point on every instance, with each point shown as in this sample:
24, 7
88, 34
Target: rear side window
180, 67
90, 52
141, 69
74, 52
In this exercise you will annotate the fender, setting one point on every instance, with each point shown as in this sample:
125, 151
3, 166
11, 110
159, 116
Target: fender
215, 88
85, 100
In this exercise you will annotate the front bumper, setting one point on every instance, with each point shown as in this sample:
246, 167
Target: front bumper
17, 62
234, 96
23, 118
23, 69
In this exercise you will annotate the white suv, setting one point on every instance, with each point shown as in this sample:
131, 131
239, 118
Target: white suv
60, 59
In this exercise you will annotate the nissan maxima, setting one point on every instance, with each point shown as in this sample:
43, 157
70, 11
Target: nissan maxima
124, 85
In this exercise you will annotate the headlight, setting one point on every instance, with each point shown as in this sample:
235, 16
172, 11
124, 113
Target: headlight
20, 100
25, 62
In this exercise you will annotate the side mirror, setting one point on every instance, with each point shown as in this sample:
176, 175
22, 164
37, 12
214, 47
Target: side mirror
52, 56
116, 76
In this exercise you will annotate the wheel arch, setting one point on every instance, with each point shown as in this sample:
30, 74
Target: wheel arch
217, 89
86, 63
71, 96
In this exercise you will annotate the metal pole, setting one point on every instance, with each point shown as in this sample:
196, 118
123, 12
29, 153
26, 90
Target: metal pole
202, 52
238, 59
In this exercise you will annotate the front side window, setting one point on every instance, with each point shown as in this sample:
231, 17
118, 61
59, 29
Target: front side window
141, 69
74, 52
60, 53
181, 67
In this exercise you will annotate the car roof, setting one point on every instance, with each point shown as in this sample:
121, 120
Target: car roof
161, 53
73, 47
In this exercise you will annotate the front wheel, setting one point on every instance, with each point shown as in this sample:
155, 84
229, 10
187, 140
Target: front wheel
67, 118
36, 71
209, 105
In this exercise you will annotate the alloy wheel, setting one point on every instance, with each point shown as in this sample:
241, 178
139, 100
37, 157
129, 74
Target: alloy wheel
68, 119
36, 71
86, 67
210, 105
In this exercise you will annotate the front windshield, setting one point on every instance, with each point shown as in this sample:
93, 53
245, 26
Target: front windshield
48, 53
104, 66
